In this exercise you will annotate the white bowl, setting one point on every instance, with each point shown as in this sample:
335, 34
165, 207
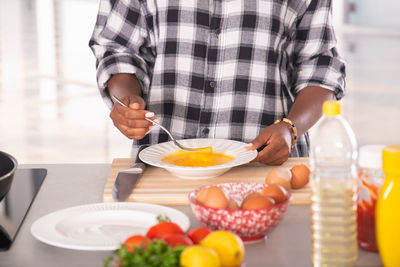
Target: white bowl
152, 155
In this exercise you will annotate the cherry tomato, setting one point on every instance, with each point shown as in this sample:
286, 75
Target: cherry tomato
177, 239
197, 234
163, 228
135, 241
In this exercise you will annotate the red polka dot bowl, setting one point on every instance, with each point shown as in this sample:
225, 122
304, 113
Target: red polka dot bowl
250, 225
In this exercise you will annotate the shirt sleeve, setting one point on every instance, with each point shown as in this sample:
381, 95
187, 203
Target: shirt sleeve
121, 43
316, 60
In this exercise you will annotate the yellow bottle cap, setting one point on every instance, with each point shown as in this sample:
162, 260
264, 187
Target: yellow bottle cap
331, 108
391, 159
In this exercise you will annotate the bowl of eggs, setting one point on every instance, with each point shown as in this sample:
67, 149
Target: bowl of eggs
249, 210
218, 157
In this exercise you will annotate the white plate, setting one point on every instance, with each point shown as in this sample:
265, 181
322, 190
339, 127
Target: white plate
153, 155
101, 226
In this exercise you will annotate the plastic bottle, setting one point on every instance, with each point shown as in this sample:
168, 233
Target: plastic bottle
387, 214
370, 180
333, 165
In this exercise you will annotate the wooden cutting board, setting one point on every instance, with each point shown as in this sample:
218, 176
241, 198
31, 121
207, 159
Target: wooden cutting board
158, 186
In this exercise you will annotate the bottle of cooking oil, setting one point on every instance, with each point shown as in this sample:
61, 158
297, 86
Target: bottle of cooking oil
334, 200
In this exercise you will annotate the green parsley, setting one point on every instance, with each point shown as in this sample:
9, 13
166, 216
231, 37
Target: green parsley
157, 253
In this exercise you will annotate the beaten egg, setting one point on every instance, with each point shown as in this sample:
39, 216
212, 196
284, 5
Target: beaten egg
203, 158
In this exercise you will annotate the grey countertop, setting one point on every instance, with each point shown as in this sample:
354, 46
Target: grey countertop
68, 185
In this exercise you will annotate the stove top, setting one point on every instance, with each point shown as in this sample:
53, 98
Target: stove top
16, 203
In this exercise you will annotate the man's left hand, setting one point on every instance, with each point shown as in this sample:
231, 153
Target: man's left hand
277, 139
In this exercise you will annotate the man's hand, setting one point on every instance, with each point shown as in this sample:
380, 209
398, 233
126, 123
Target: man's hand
131, 121
277, 139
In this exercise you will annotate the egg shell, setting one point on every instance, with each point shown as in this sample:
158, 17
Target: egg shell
215, 198
275, 191
201, 196
250, 196
279, 176
300, 176
260, 202
232, 204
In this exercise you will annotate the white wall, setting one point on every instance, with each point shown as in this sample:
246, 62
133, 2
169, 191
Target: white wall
373, 13
338, 9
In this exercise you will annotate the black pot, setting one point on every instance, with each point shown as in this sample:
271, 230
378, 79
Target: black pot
8, 166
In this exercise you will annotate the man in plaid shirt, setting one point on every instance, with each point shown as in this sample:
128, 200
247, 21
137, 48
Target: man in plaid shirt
219, 69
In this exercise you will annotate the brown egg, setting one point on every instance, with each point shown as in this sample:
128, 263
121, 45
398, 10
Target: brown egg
201, 196
259, 202
232, 205
300, 176
279, 176
275, 191
215, 198
250, 196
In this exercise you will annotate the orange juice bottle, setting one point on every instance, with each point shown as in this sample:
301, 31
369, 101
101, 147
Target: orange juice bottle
388, 208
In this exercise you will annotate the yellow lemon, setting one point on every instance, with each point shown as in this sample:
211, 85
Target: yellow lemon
198, 256
229, 247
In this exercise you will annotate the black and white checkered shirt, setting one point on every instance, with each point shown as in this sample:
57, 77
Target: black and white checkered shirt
218, 68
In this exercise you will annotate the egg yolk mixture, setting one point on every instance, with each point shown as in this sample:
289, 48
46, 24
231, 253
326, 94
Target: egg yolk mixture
202, 158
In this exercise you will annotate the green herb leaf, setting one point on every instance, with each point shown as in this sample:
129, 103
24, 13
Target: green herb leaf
161, 218
157, 253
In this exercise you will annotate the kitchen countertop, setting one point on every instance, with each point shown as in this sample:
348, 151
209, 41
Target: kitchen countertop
68, 185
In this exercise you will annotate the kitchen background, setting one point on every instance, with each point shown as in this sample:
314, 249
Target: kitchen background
51, 112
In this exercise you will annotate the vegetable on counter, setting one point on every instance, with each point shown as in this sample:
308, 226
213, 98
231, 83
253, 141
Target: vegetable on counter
163, 228
166, 245
198, 234
135, 241
157, 253
160, 247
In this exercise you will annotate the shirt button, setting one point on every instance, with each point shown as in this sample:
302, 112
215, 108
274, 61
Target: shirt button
206, 131
217, 31
212, 84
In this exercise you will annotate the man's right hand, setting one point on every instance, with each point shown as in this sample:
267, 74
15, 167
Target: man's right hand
131, 121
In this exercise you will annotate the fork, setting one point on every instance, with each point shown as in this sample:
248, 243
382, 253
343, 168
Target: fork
189, 149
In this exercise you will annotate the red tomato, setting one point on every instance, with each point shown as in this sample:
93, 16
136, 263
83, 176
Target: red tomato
197, 234
135, 241
177, 239
162, 228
